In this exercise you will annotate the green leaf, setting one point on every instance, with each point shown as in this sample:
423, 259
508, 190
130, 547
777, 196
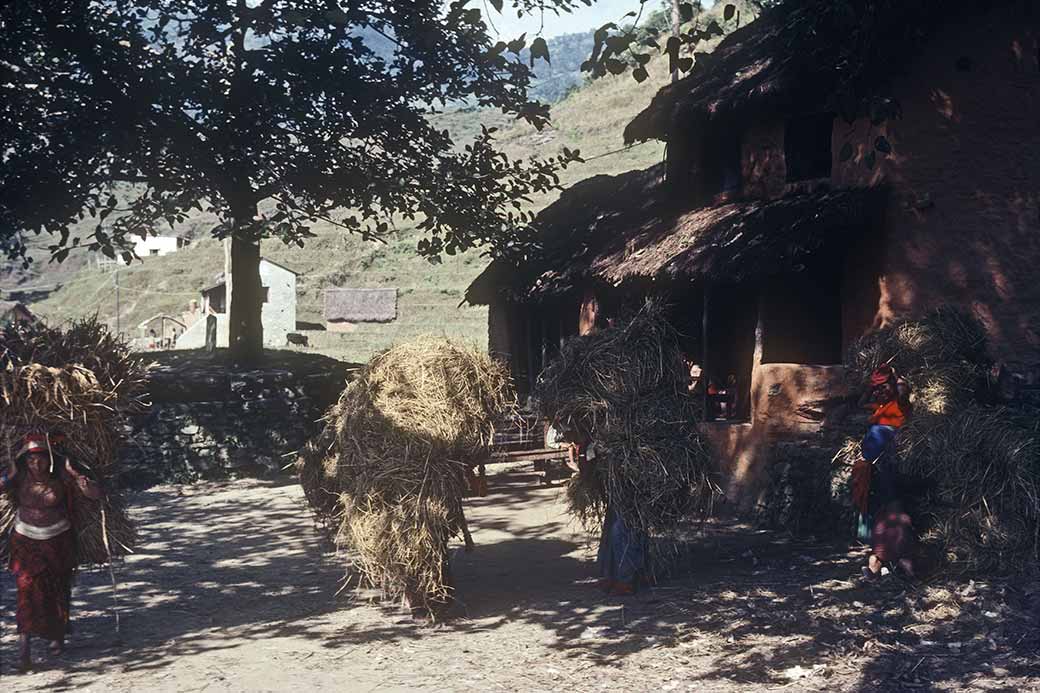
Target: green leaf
615, 66
685, 11
882, 145
846, 152
685, 64
640, 74
497, 4
728, 11
517, 44
540, 49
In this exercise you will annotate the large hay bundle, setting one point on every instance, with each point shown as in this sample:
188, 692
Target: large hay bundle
81, 382
625, 385
980, 463
390, 466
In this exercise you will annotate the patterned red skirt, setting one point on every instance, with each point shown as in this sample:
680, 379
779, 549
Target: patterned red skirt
43, 571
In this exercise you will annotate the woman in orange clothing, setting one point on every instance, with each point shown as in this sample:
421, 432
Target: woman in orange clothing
889, 401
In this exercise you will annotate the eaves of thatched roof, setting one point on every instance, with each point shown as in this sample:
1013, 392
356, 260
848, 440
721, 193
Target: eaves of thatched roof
593, 242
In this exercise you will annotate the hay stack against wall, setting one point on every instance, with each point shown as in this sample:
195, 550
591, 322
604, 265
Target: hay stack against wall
389, 469
981, 463
626, 387
80, 382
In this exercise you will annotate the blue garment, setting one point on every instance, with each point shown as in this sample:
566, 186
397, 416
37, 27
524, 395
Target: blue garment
877, 441
622, 550
879, 447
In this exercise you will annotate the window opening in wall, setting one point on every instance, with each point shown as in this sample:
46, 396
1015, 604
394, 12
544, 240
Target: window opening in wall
731, 316
721, 164
807, 147
153, 251
801, 318
264, 293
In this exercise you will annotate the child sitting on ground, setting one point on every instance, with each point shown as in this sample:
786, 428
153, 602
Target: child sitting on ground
892, 541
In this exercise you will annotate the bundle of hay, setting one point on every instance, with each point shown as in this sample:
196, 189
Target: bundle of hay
626, 387
80, 382
942, 356
980, 464
390, 466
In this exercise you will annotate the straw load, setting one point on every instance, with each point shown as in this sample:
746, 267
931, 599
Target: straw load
389, 471
980, 463
79, 382
625, 386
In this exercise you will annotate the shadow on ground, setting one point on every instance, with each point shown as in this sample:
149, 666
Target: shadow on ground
238, 565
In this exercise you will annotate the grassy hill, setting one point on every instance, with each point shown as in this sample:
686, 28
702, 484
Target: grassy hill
590, 119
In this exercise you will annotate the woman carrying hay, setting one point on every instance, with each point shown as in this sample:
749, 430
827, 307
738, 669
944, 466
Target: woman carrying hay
622, 553
42, 543
874, 474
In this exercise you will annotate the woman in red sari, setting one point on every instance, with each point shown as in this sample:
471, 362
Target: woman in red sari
43, 550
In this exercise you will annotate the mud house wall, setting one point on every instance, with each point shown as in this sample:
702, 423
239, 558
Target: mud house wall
790, 402
963, 221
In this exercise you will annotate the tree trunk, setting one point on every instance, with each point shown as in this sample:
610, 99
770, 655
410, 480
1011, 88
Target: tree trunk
244, 300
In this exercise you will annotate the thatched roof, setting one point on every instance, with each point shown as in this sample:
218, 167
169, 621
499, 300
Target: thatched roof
11, 307
612, 229
799, 57
360, 305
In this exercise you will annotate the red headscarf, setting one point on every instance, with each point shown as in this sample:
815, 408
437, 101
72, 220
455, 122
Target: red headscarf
881, 375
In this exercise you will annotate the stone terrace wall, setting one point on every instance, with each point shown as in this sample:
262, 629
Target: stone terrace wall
209, 421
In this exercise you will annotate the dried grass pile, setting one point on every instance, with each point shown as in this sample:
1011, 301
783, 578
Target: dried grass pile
389, 469
80, 382
980, 463
626, 387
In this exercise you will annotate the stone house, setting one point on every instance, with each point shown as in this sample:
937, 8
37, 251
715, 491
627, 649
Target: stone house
781, 230
157, 246
160, 331
15, 313
278, 314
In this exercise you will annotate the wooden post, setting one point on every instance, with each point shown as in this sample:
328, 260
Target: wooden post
529, 339
756, 360
704, 345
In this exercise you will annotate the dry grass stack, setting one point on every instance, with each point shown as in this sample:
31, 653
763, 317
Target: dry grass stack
390, 466
81, 382
980, 462
626, 385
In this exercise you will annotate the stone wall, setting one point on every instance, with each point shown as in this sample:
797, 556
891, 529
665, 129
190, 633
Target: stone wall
208, 421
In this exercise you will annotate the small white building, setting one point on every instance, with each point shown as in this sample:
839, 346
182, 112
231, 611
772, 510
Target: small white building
278, 314
152, 246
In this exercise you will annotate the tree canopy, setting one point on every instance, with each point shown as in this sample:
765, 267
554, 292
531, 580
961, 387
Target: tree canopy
272, 114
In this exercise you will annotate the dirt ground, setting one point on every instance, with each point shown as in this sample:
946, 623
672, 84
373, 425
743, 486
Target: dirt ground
233, 589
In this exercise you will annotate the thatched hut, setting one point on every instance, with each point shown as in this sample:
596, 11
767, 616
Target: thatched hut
802, 206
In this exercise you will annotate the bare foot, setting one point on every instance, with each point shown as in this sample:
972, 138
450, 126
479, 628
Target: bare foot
56, 647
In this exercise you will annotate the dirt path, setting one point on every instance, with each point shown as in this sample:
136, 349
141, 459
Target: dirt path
233, 590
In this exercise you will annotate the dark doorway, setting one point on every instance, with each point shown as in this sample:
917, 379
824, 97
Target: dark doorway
732, 315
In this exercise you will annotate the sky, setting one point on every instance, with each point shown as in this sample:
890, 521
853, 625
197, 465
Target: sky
582, 19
